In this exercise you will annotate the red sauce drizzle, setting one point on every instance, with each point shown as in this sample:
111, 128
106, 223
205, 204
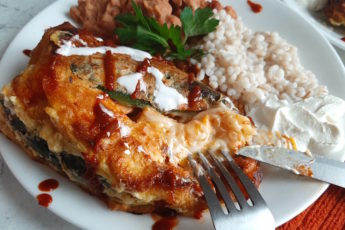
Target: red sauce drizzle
104, 124
27, 52
91, 159
343, 39
116, 39
194, 96
191, 77
48, 185
44, 199
198, 213
187, 66
256, 7
110, 42
89, 38
109, 69
166, 223
50, 79
136, 92
144, 65
195, 69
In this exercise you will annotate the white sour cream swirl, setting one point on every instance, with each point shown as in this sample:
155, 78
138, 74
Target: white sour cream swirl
166, 98
69, 49
129, 82
316, 123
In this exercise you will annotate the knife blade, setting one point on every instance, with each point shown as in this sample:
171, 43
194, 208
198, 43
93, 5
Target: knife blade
300, 163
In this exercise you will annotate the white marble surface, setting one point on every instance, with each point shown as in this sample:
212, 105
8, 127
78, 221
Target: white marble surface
19, 210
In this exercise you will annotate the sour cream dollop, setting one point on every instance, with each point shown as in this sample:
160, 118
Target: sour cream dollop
316, 124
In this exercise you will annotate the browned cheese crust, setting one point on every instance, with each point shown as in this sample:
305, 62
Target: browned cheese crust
62, 107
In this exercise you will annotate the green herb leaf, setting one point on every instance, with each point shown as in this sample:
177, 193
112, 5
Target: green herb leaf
140, 16
125, 99
174, 36
195, 53
127, 19
147, 37
200, 23
126, 35
147, 34
162, 30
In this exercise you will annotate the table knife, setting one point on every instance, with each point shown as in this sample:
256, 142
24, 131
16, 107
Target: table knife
300, 163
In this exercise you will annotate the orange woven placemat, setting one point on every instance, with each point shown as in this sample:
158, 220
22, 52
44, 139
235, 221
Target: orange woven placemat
327, 213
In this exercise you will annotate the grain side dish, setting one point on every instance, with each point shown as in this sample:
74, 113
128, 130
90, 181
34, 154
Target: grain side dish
251, 66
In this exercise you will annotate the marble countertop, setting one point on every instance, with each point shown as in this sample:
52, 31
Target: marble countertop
18, 209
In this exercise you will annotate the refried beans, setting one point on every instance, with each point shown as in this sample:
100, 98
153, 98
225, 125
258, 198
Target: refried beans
98, 16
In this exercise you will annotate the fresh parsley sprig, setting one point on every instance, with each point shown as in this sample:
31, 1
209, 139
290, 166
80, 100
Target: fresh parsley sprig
147, 34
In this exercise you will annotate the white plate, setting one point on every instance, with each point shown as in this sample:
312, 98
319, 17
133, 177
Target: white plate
286, 194
319, 20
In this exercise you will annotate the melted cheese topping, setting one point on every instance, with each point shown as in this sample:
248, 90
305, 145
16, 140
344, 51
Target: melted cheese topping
216, 128
128, 154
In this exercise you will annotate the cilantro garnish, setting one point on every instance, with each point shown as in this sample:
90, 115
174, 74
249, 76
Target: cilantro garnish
147, 34
201, 23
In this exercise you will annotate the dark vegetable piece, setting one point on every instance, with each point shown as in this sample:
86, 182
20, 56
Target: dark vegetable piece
14, 120
6, 110
104, 182
74, 163
18, 125
207, 93
41, 147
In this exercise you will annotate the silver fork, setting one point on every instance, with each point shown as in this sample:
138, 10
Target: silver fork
240, 215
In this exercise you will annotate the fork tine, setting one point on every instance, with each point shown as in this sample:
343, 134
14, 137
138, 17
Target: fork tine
231, 181
247, 183
211, 198
219, 184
